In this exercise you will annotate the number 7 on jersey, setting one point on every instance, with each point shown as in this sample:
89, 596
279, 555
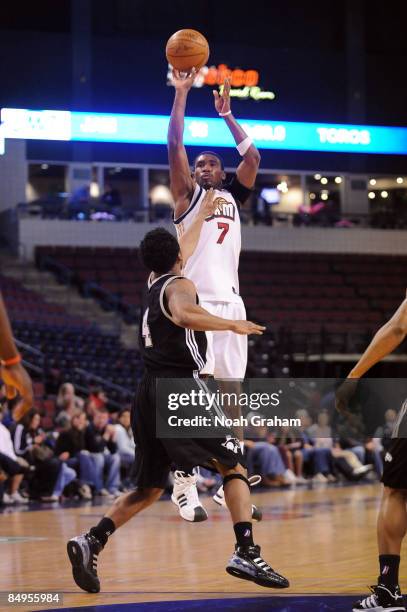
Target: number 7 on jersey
225, 228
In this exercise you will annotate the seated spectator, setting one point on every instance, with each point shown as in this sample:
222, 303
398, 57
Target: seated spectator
341, 460
100, 440
96, 401
67, 403
321, 431
347, 463
316, 457
67, 397
70, 447
351, 438
290, 449
51, 475
6, 405
11, 467
79, 204
263, 457
124, 439
385, 432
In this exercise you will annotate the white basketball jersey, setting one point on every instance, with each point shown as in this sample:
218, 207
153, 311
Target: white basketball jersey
213, 267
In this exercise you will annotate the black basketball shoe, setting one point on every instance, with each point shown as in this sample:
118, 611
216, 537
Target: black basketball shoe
83, 553
246, 563
382, 598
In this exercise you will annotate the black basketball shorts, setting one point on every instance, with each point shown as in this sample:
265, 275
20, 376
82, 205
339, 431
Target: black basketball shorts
155, 457
395, 465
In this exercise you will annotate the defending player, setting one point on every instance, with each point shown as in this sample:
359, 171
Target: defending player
213, 266
392, 520
173, 345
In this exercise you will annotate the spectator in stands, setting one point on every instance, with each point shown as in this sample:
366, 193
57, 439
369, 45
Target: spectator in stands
112, 200
67, 404
340, 460
97, 400
290, 448
79, 204
100, 439
124, 439
51, 475
11, 466
301, 453
3, 478
351, 437
3, 395
263, 457
70, 447
384, 432
321, 431
67, 398
5, 406
316, 459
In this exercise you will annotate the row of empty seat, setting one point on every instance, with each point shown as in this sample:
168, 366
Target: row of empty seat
276, 287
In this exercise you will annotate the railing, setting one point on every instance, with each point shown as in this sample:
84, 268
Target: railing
88, 376
106, 383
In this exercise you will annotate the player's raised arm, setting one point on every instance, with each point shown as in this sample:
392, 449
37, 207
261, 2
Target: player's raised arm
384, 342
248, 167
189, 240
185, 312
182, 184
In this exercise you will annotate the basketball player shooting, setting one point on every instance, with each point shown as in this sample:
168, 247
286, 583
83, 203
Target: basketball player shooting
392, 520
213, 264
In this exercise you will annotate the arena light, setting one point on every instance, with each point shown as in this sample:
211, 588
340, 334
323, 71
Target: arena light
338, 180
372, 182
324, 180
371, 195
201, 131
384, 194
400, 180
317, 177
94, 190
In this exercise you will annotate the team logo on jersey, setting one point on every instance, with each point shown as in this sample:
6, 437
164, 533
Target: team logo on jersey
232, 444
224, 209
388, 457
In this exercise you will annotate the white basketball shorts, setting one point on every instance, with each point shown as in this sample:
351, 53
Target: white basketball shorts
227, 352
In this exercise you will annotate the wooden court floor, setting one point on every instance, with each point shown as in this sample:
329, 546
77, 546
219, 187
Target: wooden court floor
322, 539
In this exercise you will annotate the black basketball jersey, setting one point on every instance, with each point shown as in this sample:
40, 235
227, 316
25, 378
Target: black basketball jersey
165, 346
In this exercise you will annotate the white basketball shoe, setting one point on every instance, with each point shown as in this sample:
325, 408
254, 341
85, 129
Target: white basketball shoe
185, 496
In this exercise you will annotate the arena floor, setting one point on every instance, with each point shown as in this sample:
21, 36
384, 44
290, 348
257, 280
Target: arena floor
322, 539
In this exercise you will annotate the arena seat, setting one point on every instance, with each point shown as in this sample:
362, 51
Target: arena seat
345, 293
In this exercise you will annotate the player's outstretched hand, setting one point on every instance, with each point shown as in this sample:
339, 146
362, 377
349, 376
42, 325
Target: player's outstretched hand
182, 81
344, 394
222, 101
16, 378
208, 205
245, 328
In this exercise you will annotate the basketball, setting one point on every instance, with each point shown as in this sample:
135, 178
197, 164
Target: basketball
187, 49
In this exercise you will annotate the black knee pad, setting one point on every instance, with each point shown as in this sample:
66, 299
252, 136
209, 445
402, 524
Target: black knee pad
229, 477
